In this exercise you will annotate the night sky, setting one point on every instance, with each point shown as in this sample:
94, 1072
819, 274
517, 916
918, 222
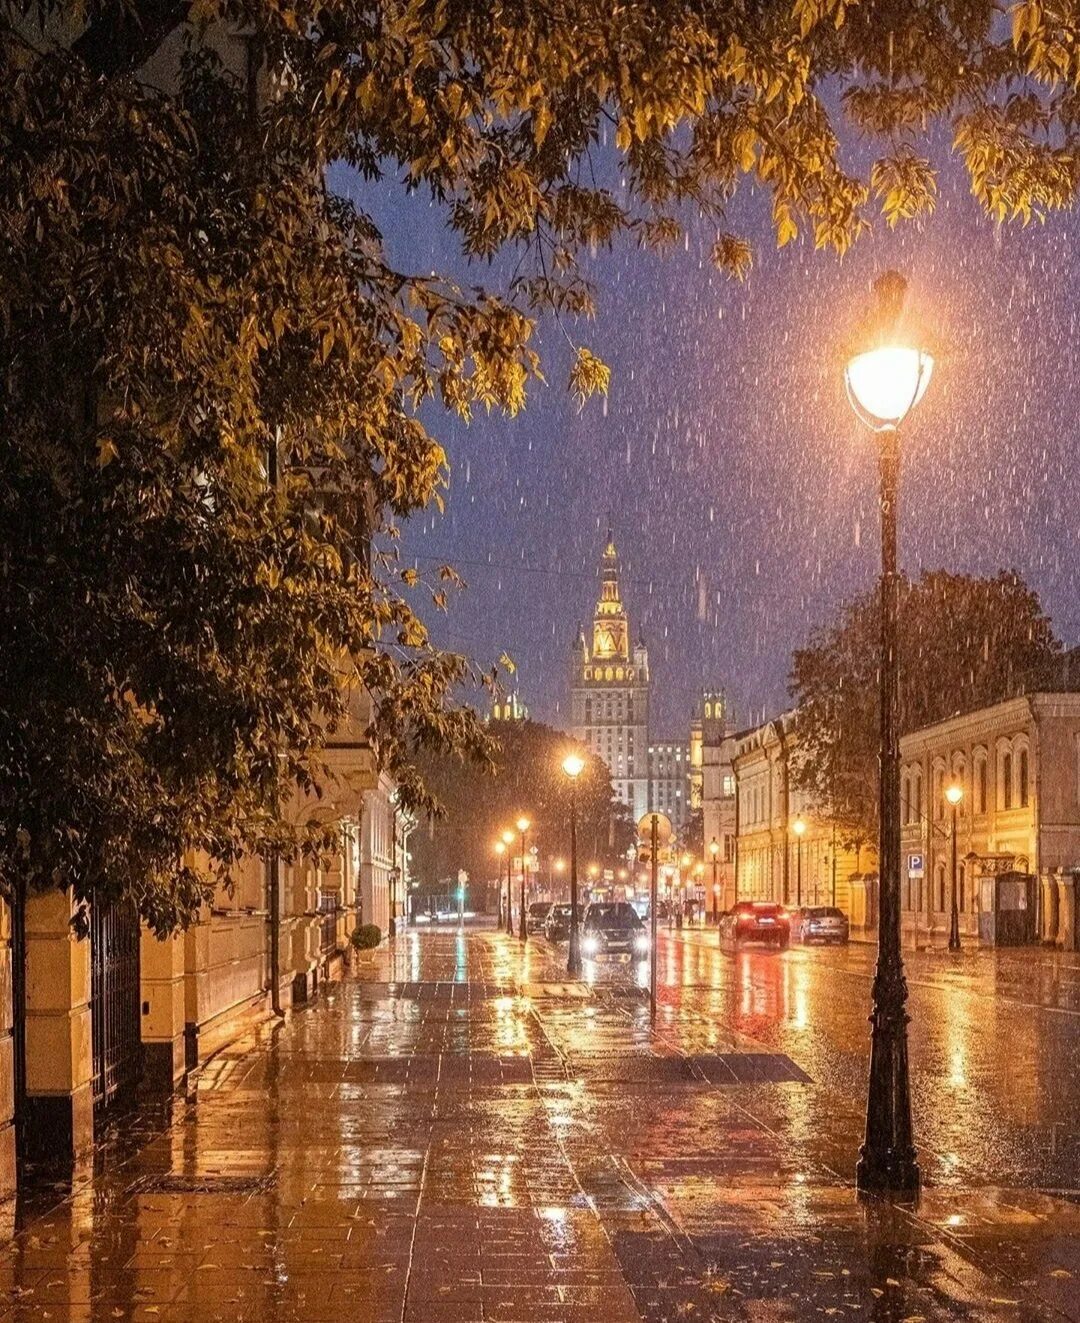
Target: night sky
740, 487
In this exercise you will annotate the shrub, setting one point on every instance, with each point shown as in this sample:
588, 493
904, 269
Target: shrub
366, 937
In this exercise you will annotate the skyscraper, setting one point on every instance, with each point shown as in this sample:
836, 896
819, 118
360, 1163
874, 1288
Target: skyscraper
610, 691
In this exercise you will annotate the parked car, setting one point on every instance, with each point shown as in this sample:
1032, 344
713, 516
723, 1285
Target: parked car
755, 921
536, 916
557, 924
819, 923
613, 929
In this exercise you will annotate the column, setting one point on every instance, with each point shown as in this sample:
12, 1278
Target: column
59, 1052
161, 978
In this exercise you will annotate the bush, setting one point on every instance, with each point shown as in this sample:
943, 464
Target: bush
366, 937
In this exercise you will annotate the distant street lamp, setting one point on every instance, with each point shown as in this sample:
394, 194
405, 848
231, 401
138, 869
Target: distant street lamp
508, 840
954, 794
714, 850
523, 825
500, 850
887, 373
798, 827
573, 765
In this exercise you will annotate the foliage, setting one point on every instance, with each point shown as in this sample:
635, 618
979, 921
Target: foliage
182, 295
365, 938
526, 777
692, 836
964, 643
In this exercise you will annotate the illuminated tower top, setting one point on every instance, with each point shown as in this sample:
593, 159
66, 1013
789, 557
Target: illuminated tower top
611, 634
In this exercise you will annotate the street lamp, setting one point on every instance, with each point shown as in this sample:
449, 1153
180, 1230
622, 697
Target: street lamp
500, 850
573, 765
798, 827
714, 850
887, 373
954, 794
508, 840
523, 825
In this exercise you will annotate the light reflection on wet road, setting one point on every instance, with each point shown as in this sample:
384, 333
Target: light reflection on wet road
456, 1134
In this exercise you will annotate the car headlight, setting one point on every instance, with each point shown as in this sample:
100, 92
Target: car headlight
641, 944
590, 945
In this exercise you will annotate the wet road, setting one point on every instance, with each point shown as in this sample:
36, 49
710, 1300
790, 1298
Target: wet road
456, 1134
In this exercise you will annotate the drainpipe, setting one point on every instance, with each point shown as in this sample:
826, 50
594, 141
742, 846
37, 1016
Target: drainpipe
273, 869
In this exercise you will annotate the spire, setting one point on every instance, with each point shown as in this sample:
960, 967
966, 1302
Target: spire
611, 630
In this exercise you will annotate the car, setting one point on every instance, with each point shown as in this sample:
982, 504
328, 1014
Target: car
819, 923
557, 924
536, 916
755, 921
613, 929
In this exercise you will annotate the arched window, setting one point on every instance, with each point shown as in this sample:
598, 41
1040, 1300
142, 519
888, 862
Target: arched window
941, 886
1006, 791
917, 778
939, 791
618, 672
978, 782
1022, 779
708, 711
961, 880
905, 798
588, 711
609, 674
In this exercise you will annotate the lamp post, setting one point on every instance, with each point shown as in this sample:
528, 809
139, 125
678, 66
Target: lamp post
886, 374
500, 850
508, 840
573, 765
798, 827
684, 868
714, 850
523, 825
954, 794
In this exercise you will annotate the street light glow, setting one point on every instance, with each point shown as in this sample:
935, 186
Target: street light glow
714, 847
508, 836
798, 826
500, 848
885, 383
955, 793
523, 824
573, 764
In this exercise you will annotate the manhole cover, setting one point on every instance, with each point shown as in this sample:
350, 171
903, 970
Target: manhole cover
180, 1183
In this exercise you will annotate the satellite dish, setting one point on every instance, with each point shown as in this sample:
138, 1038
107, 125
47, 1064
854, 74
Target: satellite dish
663, 827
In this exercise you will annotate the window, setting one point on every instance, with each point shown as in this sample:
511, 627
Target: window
980, 784
941, 886
1023, 779
939, 793
588, 711
917, 780
905, 798
1006, 791
961, 879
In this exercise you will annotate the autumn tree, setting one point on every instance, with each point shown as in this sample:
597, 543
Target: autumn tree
212, 377
525, 776
964, 643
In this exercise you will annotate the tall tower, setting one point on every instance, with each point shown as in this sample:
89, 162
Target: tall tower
610, 691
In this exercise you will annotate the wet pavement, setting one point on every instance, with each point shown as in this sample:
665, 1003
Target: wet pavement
455, 1132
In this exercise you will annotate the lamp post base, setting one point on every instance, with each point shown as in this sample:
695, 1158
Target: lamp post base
888, 1162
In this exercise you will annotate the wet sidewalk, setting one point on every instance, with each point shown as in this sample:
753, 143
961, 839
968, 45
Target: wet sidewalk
455, 1133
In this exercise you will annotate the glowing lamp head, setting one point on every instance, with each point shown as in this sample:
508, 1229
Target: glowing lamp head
888, 369
523, 824
798, 826
560, 865
954, 794
500, 848
573, 765
714, 847
508, 836
884, 384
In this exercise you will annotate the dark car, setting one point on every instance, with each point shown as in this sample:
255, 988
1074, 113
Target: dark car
755, 921
613, 929
536, 916
819, 923
557, 924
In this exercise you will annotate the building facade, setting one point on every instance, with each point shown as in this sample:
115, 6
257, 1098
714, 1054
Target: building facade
716, 776
1017, 766
774, 859
669, 782
609, 699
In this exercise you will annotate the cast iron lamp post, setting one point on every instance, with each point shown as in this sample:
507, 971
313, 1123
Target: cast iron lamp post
523, 825
798, 827
508, 840
954, 794
573, 766
714, 850
886, 374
